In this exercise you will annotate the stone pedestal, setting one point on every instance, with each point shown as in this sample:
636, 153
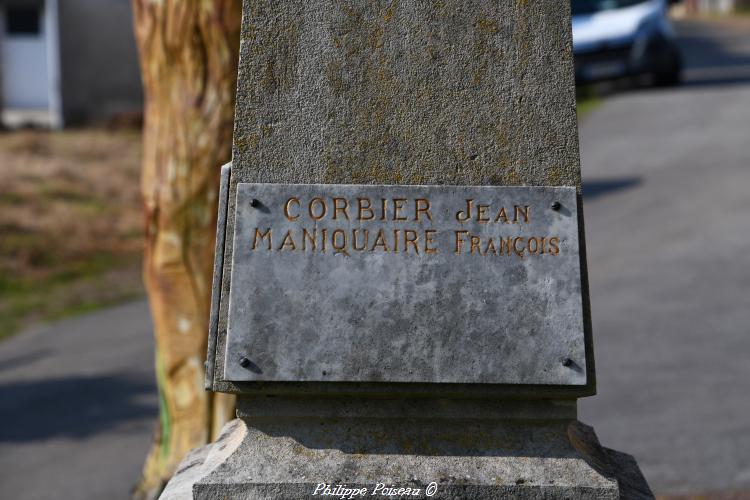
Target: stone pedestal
453, 367
465, 449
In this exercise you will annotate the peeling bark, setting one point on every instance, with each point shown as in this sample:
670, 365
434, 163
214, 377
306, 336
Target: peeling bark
189, 53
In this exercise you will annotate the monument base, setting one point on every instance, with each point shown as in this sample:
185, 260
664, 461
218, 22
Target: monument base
283, 448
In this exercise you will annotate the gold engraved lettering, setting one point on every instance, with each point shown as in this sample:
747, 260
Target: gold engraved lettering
462, 216
543, 245
288, 242
521, 210
475, 242
502, 217
535, 249
323, 240
363, 246
398, 205
288, 205
429, 241
340, 205
339, 244
422, 207
383, 208
311, 237
396, 237
380, 242
459, 241
515, 246
411, 238
362, 208
490, 247
323, 209
554, 248
505, 245
482, 213
268, 234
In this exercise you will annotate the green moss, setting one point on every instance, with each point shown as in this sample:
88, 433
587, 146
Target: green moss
165, 429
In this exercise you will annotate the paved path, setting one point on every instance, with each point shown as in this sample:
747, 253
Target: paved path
668, 221
668, 229
77, 407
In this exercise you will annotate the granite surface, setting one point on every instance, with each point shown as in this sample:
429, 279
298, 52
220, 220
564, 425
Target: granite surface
468, 92
373, 92
505, 455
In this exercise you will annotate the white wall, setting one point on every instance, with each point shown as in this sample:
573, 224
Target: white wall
25, 76
717, 6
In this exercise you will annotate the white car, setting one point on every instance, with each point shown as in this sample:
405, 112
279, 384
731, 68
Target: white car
620, 38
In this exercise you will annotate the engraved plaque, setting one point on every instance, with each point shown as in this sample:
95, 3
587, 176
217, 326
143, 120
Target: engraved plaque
422, 284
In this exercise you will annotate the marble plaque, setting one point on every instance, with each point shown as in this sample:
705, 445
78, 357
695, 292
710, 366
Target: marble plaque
421, 284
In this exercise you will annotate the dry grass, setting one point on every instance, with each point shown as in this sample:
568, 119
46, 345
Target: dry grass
70, 223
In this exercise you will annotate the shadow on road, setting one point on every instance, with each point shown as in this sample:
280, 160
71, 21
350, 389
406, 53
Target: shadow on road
713, 57
697, 81
73, 407
703, 48
596, 188
24, 359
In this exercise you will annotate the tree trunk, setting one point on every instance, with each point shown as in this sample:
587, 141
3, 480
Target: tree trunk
189, 51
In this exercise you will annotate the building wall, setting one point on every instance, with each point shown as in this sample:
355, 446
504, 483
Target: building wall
100, 76
24, 81
711, 6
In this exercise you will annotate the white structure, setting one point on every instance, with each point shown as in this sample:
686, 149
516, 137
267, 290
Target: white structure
66, 62
710, 6
720, 6
29, 53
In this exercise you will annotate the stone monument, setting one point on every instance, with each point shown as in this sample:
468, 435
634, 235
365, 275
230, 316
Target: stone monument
400, 294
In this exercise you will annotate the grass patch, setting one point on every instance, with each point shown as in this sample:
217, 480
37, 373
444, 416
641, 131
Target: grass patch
587, 100
70, 223
11, 199
23, 303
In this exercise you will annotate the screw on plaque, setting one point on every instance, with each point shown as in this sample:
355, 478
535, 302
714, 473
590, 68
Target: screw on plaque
244, 362
254, 203
567, 362
556, 206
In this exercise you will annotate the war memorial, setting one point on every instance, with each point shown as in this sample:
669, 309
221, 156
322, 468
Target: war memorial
400, 295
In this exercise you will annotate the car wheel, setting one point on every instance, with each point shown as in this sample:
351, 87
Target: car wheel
671, 74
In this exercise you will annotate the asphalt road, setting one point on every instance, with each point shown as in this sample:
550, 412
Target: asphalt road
77, 407
667, 177
668, 234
